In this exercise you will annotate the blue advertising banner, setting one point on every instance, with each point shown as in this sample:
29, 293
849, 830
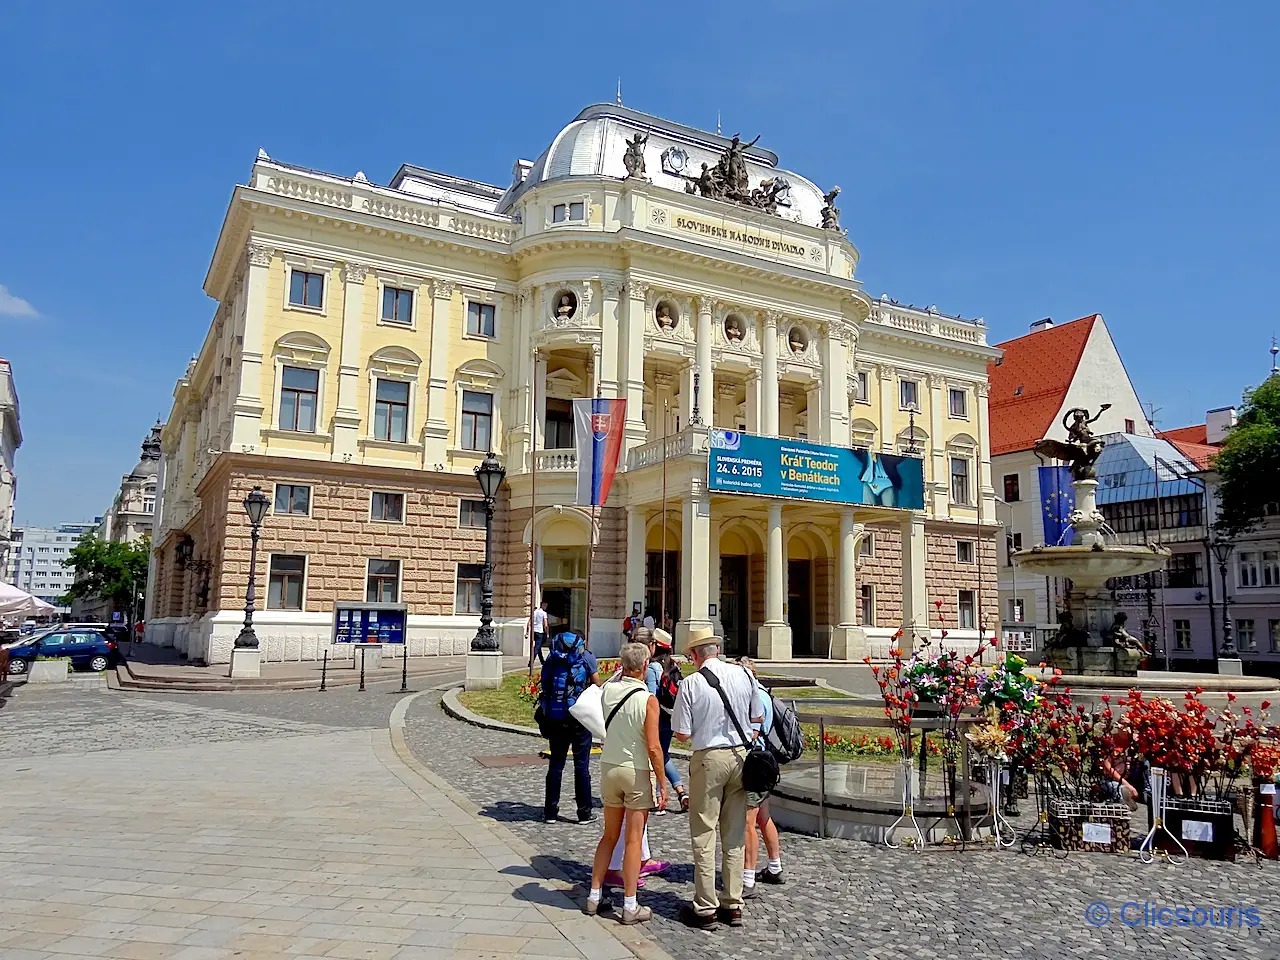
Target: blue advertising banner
369, 623
778, 467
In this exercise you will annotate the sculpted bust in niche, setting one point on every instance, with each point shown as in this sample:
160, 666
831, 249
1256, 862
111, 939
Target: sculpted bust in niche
796, 340
733, 328
665, 320
565, 310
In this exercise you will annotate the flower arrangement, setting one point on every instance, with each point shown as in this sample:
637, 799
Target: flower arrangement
900, 697
1007, 687
990, 739
860, 745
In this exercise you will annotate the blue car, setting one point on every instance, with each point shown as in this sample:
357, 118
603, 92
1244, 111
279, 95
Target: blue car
85, 648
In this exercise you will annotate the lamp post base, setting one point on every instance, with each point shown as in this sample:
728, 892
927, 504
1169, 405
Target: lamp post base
246, 663
1230, 667
484, 670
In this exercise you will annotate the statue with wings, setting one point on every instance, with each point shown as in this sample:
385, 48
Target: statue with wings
1081, 449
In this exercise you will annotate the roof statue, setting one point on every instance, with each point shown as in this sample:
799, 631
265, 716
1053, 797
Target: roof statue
830, 212
633, 159
1082, 448
729, 180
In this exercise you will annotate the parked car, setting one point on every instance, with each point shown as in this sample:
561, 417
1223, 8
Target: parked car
85, 648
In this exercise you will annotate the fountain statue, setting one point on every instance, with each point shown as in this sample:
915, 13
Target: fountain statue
1091, 637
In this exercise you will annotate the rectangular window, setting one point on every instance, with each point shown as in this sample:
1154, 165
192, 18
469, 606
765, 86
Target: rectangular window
148, 504
397, 305
568, 211
958, 404
577, 210
293, 498
1273, 631
391, 411
558, 433
1184, 570
968, 607
964, 551
909, 395
471, 513
299, 396
467, 595
1270, 568
867, 546
383, 583
1012, 493
306, 289
1245, 638
1182, 634
863, 388
1129, 426
480, 319
1247, 569
477, 420
868, 605
559, 213
387, 506
284, 588
959, 480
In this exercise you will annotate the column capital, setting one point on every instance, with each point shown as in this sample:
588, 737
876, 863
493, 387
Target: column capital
354, 272
706, 305
772, 318
443, 289
258, 254
936, 381
982, 388
613, 289
885, 371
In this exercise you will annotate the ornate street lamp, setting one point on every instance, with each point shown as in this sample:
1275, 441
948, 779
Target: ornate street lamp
1222, 553
490, 475
183, 551
255, 505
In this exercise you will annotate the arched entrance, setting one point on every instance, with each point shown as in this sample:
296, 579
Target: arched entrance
738, 543
662, 567
562, 570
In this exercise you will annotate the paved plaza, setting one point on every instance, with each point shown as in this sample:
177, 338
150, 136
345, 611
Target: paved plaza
267, 825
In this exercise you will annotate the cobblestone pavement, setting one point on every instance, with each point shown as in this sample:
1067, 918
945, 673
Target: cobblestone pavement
141, 827
847, 898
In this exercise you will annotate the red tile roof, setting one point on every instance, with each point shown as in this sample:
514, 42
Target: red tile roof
1196, 433
1030, 383
1193, 443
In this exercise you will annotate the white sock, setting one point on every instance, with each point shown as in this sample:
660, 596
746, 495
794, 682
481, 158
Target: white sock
594, 896
775, 866
748, 878
629, 903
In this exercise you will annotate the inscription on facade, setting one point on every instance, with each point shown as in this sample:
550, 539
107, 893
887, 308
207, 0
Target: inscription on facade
750, 239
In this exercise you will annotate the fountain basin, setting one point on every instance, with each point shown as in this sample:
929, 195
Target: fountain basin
1089, 567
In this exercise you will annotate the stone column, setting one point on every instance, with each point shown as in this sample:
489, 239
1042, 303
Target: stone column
936, 457
346, 418
632, 349
835, 386
775, 633
726, 409
769, 377
707, 377
695, 544
436, 432
610, 339
753, 403
713, 593
521, 432
686, 393
817, 422
247, 410
915, 613
985, 488
636, 556
540, 413
888, 404
849, 641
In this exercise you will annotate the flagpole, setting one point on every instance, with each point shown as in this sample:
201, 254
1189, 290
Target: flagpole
591, 548
533, 510
662, 604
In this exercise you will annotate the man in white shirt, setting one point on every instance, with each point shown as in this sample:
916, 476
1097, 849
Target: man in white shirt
716, 794
539, 639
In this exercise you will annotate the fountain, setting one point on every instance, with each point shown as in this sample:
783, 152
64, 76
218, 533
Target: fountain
1091, 639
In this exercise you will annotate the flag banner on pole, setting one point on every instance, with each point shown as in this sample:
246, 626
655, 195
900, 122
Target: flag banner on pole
597, 432
1057, 500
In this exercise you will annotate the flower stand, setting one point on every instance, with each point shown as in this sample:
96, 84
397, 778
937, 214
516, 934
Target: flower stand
1095, 827
1152, 842
1038, 838
1002, 831
1205, 827
907, 818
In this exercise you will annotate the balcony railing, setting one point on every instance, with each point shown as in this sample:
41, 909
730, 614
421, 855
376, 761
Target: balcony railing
689, 441
556, 461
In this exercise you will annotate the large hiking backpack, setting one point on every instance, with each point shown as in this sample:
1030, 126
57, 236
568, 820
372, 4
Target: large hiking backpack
785, 738
564, 677
669, 684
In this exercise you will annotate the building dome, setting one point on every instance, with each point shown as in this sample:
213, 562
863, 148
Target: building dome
149, 465
594, 143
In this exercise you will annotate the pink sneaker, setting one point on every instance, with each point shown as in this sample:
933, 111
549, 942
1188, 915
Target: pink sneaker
657, 867
613, 878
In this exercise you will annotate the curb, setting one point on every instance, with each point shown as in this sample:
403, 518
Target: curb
632, 938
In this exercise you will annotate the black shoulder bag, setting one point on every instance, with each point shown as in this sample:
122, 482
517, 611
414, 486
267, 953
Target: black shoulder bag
760, 771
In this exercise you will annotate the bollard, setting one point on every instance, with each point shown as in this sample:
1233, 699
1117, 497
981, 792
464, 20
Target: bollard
361, 671
324, 671
404, 668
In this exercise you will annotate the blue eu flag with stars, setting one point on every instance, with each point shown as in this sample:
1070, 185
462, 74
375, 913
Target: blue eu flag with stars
1057, 500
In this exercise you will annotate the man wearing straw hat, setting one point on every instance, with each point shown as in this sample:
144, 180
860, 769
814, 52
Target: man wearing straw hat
716, 794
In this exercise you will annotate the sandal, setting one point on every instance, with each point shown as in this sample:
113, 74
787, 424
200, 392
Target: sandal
684, 801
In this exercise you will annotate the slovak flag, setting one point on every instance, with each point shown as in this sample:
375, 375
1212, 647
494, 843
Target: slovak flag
597, 432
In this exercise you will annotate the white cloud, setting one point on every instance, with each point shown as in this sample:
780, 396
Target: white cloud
11, 306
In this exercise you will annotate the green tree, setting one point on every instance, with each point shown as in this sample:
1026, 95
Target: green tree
116, 572
1249, 461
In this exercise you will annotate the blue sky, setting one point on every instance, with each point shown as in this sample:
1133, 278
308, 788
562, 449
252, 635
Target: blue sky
1004, 160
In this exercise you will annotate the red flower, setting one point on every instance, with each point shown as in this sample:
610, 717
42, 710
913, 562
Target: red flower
1266, 704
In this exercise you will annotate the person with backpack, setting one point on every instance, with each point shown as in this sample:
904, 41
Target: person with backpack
568, 669
758, 812
714, 709
663, 680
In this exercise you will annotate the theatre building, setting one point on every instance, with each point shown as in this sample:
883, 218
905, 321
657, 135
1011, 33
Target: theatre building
803, 467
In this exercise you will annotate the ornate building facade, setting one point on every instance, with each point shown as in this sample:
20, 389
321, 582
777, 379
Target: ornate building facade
372, 343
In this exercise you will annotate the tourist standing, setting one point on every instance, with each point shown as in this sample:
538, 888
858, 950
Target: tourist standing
663, 680
630, 752
717, 796
566, 673
758, 812
539, 637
